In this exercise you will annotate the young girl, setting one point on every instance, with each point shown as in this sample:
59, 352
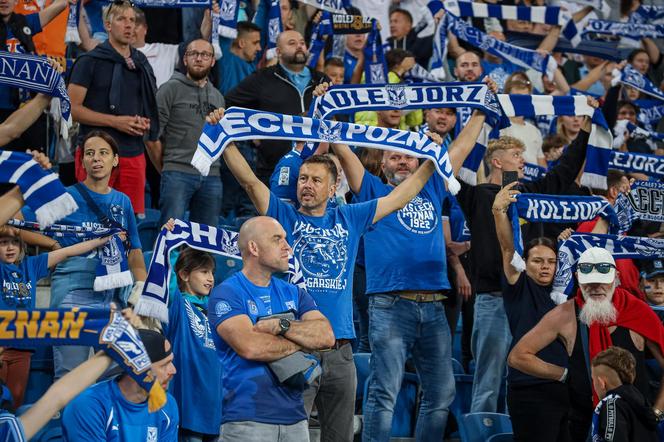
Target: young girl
19, 274
197, 383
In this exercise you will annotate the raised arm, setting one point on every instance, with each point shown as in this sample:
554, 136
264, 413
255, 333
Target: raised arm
592, 77
257, 191
464, 143
504, 198
404, 192
22, 118
313, 332
63, 391
57, 256
550, 41
239, 333
47, 14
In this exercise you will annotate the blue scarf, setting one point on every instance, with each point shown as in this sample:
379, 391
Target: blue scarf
649, 115
439, 53
228, 13
539, 208
71, 33
42, 190
154, 300
101, 329
608, 401
274, 28
375, 67
621, 29
645, 201
647, 14
246, 124
632, 77
113, 269
533, 172
651, 165
621, 247
550, 15
624, 127
335, 25
34, 73
526, 58
328, 5
173, 3
599, 143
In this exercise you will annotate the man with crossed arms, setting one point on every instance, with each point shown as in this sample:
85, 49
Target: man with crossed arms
325, 242
406, 314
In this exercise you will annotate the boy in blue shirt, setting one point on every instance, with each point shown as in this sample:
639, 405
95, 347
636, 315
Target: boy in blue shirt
256, 406
117, 409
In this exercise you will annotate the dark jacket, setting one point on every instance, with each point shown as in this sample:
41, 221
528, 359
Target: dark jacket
626, 417
270, 90
476, 201
421, 48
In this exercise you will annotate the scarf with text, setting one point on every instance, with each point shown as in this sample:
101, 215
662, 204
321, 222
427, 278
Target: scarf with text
533, 172
35, 74
631, 77
620, 247
335, 25
540, 208
599, 143
113, 268
154, 299
375, 66
274, 28
228, 14
647, 14
625, 127
651, 165
328, 5
550, 15
247, 124
645, 201
621, 29
42, 190
102, 329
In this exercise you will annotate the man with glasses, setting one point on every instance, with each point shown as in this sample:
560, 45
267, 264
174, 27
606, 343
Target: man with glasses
600, 315
112, 88
183, 103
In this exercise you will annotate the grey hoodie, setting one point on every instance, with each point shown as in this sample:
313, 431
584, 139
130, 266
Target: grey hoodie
183, 106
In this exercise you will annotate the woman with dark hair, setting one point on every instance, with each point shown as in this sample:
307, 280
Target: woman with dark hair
72, 283
526, 296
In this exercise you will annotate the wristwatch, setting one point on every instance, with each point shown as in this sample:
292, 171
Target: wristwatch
284, 325
659, 414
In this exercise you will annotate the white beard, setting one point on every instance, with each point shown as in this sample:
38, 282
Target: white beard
594, 311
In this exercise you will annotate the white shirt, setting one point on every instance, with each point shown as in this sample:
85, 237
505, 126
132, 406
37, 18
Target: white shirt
163, 58
378, 9
530, 136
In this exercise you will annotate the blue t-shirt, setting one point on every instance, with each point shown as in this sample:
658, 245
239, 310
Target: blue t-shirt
19, 282
406, 249
250, 391
232, 69
11, 428
197, 384
13, 45
349, 66
283, 181
499, 72
101, 413
326, 247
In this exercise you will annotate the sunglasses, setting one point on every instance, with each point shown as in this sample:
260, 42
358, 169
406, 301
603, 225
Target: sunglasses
602, 267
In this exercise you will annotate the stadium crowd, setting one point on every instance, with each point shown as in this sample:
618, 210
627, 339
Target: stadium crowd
303, 244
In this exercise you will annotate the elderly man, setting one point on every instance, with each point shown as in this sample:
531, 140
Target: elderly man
600, 315
246, 344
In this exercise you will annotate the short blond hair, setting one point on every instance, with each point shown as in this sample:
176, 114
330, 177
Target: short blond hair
115, 7
503, 143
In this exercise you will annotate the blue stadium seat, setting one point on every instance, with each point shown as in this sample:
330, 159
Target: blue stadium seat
404, 418
478, 427
41, 374
148, 230
457, 368
501, 437
464, 392
362, 369
54, 434
225, 267
152, 214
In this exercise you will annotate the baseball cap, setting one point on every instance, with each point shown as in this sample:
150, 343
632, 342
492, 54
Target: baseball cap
653, 268
596, 274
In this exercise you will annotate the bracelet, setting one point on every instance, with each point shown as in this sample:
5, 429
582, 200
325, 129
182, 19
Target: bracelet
563, 378
498, 209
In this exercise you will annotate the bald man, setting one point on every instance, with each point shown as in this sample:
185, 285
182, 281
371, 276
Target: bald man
284, 88
246, 346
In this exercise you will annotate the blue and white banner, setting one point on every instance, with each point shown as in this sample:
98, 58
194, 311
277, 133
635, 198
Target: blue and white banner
651, 165
540, 208
42, 190
599, 142
550, 15
247, 124
526, 58
631, 77
622, 29
620, 247
533, 172
625, 127
154, 299
34, 73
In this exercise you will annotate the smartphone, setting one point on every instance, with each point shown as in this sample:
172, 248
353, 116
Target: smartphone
510, 177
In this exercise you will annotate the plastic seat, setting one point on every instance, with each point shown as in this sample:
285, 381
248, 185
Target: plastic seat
501, 437
457, 368
225, 267
404, 418
147, 232
53, 434
362, 369
479, 427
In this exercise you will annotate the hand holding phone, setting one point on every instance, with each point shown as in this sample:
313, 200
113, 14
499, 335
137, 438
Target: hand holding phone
510, 177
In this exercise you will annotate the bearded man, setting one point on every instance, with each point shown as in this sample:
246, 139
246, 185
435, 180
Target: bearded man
183, 103
599, 316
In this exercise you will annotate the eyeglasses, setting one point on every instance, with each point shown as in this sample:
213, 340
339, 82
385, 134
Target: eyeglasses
602, 267
196, 54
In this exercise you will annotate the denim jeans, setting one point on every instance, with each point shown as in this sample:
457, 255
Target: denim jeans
361, 301
397, 328
258, 432
181, 191
490, 344
334, 394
